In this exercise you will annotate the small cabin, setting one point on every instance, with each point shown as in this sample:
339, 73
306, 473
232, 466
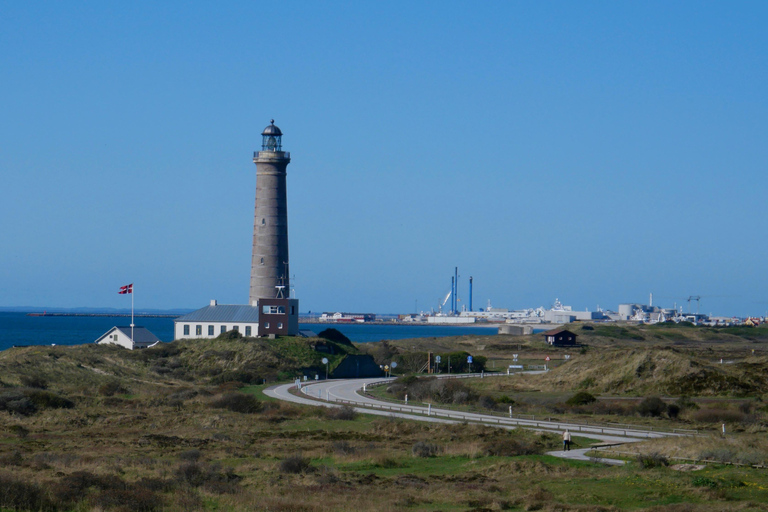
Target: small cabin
141, 338
560, 338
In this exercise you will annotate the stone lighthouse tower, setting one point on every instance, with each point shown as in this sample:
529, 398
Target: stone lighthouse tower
270, 286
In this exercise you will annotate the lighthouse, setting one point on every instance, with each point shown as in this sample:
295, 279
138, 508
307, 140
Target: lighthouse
270, 283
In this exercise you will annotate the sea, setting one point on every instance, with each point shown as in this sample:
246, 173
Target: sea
19, 329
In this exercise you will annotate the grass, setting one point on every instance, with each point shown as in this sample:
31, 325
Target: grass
143, 429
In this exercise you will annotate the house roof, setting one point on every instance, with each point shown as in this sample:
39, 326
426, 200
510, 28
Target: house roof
223, 313
140, 334
560, 330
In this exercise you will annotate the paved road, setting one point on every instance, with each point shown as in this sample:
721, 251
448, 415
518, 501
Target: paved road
334, 393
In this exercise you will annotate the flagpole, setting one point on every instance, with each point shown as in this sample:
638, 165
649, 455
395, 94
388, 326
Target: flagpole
132, 314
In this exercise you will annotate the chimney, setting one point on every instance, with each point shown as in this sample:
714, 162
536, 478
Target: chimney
214, 302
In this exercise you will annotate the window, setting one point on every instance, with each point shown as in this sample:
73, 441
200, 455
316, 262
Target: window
262, 261
293, 310
223, 329
186, 330
198, 330
273, 310
210, 330
235, 328
114, 337
280, 325
247, 330
266, 325
263, 222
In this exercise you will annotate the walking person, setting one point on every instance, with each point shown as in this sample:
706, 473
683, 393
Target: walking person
566, 440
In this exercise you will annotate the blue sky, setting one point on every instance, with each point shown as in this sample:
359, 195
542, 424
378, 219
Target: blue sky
593, 152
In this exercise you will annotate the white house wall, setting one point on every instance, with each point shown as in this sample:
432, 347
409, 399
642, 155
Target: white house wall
178, 329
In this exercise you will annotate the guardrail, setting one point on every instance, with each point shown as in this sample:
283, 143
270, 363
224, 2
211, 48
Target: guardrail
532, 417
486, 420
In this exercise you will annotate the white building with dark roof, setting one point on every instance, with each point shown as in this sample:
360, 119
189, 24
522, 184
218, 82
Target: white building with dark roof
216, 319
121, 335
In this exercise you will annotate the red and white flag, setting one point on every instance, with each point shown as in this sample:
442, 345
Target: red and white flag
126, 289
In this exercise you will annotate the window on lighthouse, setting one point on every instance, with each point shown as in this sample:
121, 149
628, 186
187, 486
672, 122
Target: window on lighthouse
262, 261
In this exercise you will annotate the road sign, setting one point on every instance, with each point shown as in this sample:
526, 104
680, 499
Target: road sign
547, 358
514, 356
437, 359
325, 360
394, 364
567, 357
469, 359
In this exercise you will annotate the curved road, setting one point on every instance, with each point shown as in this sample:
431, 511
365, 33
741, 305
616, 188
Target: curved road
334, 393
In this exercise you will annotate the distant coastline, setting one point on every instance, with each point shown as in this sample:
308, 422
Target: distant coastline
136, 315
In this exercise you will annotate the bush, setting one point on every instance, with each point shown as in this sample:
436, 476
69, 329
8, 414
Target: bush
47, 400
718, 416
510, 448
504, 399
15, 402
423, 449
230, 335
34, 381
211, 477
295, 465
111, 388
581, 398
344, 412
15, 494
19, 430
238, 402
332, 334
673, 411
128, 500
652, 406
486, 402
652, 460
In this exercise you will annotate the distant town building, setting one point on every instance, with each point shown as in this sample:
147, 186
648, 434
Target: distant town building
348, 317
560, 337
121, 335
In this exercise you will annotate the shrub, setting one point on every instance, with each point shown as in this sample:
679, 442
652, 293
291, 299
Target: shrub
128, 500
673, 411
581, 398
230, 335
111, 388
15, 402
344, 412
34, 381
652, 406
16, 494
652, 460
504, 399
423, 449
19, 431
211, 477
718, 416
243, 376
191, 455
295, 465
332, 334
47, 400
486, 402
238, 402
510, 448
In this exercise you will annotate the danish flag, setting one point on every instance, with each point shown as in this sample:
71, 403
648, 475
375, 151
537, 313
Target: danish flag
126, 289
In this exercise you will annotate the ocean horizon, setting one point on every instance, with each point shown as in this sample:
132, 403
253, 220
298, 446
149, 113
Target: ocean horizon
20, 329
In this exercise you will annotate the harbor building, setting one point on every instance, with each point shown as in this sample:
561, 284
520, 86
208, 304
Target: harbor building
270, 311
